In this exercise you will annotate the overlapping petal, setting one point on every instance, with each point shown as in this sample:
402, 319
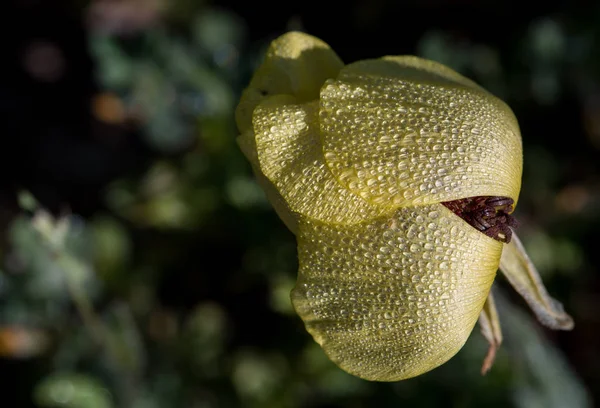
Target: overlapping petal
295, 64
395, 297
402, 131
291, 157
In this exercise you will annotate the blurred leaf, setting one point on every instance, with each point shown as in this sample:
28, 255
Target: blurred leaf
163, 200
182, 10
438, 46
220, 34
548, 40
156, 97
115, 70
125, 349
72, 391
214, 29
112, 247
204, 339
243, 192
27, 201
281, 286
46, 279
542, 376
258, 376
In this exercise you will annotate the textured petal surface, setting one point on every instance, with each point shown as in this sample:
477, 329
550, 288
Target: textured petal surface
402, 131
247, 145
296, 64
395, 297
291, 157
524, 277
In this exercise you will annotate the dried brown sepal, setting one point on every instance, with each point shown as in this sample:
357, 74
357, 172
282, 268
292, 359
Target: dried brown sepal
488, 214
490, 328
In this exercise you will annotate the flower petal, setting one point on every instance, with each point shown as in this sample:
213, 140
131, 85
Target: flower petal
291, 157
247, 145
402, 131
395, 297
296, 64
524, 277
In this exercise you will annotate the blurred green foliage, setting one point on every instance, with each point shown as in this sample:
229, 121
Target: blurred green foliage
177, 293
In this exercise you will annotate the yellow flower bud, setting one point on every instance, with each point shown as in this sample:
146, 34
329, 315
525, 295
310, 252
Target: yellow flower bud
397, 176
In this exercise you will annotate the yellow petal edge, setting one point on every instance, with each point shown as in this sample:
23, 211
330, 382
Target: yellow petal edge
247, 145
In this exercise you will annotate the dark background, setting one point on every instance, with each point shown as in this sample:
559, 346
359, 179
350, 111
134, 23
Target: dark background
169, 287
